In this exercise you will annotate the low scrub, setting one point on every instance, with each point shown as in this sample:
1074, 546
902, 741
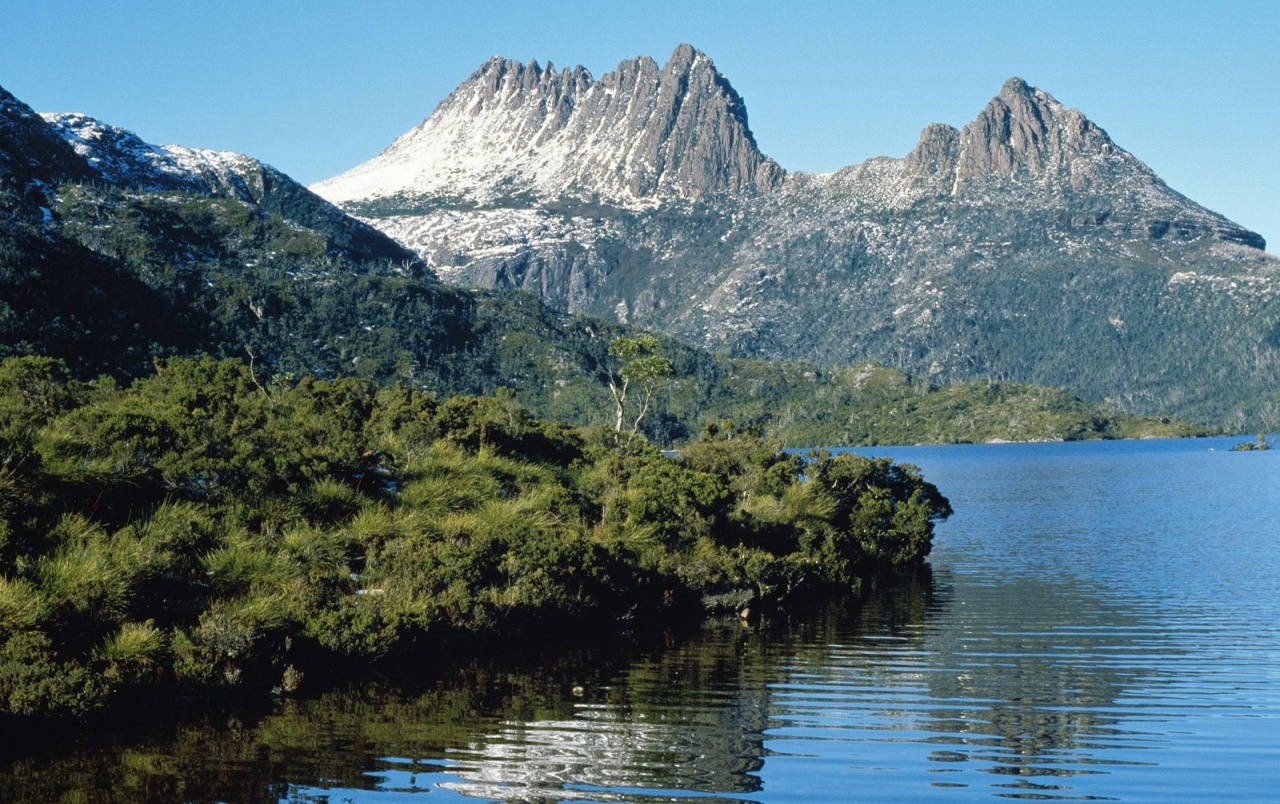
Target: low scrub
199, 531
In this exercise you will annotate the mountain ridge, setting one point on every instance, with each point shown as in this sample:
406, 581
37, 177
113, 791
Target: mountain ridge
648, 132
116, 254
119, 157
974, 256
1021, 130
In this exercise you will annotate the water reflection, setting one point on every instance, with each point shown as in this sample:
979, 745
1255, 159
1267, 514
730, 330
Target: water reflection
993, 685
908, 681
650, 723
1019, 668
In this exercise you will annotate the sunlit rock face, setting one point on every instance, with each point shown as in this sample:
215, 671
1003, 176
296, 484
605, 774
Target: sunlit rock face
1024, 245
639, 135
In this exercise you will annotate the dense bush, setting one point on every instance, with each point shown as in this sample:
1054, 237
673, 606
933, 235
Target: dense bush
202, 529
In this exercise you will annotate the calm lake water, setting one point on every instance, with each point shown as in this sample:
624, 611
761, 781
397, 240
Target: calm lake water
1101, 621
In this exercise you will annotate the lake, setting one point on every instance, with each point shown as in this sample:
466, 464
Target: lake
1100, 620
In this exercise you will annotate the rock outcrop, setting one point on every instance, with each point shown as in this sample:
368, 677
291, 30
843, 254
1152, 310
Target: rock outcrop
1025, 131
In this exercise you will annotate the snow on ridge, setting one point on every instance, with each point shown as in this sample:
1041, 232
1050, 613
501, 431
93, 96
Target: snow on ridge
122, 157
448, 241
514, 130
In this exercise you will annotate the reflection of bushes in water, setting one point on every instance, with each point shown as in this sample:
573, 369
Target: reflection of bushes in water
660, 698
310, 741
200, 531
653, 703
908, 598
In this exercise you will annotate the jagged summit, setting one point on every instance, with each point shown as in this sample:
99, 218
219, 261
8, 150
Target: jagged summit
1026, 130
936, 150
638, 134
1025, 149
523, 134
1022, 131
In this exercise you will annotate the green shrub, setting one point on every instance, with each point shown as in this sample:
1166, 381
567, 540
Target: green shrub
134, 654
188, 529
35, 681
22, 605
82, 575
329, 500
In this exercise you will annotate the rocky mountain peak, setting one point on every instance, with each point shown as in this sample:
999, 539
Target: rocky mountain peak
1026, 131
936, 151
1029, 149
1016, 87
684, 56
500, 75
521, 130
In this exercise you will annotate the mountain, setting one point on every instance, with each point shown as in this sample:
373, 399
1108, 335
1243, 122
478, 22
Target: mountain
1026, 245
115, 253
32, 152
119, 158
639, 135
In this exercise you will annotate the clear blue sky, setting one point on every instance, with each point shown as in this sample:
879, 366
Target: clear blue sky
1191, 88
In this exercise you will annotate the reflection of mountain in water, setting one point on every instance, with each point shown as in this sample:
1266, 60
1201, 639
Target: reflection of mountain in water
600, 752
1032, 678
688, 716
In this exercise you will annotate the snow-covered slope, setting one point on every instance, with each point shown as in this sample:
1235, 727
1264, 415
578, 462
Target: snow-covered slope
637, 135
120, 158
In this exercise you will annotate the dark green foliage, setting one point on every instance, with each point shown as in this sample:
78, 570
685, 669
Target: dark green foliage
117, 279
200, 529
881, 511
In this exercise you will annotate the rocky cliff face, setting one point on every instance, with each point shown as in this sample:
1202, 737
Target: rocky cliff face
1024, 245
1024, 130
638, 135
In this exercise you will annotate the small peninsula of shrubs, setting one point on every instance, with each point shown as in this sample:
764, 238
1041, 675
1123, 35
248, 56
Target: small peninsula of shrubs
204, 530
